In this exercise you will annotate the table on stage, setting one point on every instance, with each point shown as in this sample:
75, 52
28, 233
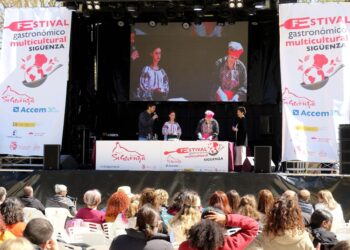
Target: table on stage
208, 156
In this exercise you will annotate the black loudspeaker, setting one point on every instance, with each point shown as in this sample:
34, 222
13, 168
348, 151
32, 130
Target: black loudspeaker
344, 148
249, 164
68, 162
52, 156
262, 157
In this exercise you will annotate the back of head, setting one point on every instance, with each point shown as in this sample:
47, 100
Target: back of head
265, 201
233, 199
176, 202
117, 203
12, 211
3, 194
92, 198
285, 215
206, 235
248, 207
28, 191
290, 195
38, 231
326, 197
219, 200
304, 195
342, 245
148, 195
59, 188
320, 216
162, 197
16, 244
147, 220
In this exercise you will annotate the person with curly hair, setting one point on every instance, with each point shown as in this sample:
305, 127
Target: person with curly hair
265, 203
12, 212
148, 195
145, 236
248, 207
209, 233
90, 213
4, 233
326, 201
233, 199
188, 215
117, 204
219, 200
284, 228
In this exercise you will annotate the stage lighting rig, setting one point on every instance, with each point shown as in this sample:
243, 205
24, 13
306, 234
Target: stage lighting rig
186, 25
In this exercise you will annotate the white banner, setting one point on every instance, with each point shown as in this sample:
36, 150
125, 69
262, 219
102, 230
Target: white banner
33, 79
162, 155
315, 72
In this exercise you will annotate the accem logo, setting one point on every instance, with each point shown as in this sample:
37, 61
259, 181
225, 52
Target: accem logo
19, 109
297, 112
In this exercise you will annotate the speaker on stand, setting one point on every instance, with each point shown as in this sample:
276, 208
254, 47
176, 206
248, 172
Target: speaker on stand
262, 159
52, 156
344, 148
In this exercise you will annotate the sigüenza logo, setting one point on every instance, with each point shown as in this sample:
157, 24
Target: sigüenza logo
12, 96
291, 99
120, 153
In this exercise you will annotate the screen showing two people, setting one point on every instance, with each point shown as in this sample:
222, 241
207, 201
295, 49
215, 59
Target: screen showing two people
206, 62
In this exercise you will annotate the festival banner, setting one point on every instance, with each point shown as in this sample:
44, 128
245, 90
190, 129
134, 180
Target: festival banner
315, 72
162, 156
33, 79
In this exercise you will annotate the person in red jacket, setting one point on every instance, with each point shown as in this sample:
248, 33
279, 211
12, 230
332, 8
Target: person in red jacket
209, 234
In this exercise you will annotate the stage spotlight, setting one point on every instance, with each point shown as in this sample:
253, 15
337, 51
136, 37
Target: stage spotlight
186, 25
231, 4
131, 8
152, 23
239, 4
121, 23
97, 5
89, 5
197, 8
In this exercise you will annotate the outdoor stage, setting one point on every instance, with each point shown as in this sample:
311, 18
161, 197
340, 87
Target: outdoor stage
78, 181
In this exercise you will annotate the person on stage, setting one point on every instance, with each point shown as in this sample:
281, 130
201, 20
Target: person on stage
171, 129
154, 82
208, 127
241, 138
231, 76
146, 121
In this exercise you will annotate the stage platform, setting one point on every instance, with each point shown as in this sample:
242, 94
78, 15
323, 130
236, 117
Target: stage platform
78, 181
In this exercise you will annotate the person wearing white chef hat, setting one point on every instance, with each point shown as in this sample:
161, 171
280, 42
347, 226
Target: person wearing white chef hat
208, 127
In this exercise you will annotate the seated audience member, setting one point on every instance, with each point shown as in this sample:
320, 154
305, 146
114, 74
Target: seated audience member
290, 195
146, 236
321, 223
127, 190
175, 206
117, 204
265, 201
209, 233
219, 200
148, 195
189, 215
248, 207
17, 244
4, 233
92, 199
39, 232
284, 229
233, 200
326, 201
342, 245
28, 199
3, 194
12, 212
60, 199
304, 201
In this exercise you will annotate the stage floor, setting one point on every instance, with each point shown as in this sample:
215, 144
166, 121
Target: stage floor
78, 181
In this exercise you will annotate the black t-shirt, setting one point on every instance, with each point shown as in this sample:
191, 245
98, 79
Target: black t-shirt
145, 124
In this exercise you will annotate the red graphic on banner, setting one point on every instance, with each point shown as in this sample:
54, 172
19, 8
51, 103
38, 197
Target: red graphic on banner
317, 72
37, 68
12, 96
120, 153
213, 148
291, 99
13, 145
307, 22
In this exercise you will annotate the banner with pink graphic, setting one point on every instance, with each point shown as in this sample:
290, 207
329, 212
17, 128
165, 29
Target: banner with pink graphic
315, 72
33, 79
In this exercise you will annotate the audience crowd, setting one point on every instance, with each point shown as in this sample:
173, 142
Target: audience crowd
151, 220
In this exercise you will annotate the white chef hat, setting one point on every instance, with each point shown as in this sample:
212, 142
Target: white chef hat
209, 113
235, 46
